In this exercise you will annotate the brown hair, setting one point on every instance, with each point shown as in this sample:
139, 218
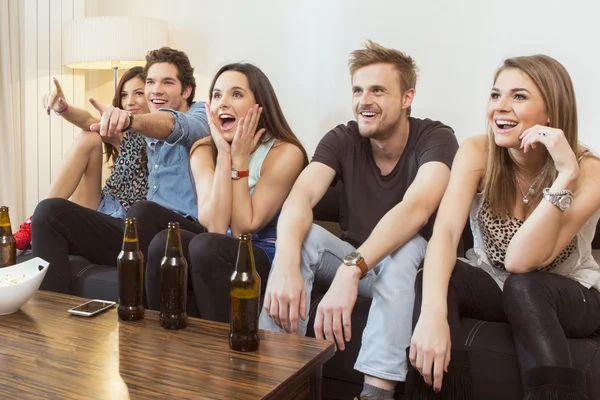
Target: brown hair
374, 53
135, 72
272, 118
555, 85
185, 71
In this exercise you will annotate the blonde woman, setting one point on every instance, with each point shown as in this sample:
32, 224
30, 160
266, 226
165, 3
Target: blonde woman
532, 194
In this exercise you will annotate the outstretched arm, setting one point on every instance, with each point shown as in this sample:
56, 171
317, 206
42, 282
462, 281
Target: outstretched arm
56, 101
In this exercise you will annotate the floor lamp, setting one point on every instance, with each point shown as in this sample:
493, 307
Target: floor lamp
111, 42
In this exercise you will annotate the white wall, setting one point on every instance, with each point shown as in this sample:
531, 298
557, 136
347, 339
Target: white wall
303, 47
46, 139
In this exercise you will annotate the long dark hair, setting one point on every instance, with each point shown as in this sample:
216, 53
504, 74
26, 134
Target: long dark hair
272, 118
135, 72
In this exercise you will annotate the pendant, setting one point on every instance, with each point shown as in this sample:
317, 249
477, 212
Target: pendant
525, 200
531, 191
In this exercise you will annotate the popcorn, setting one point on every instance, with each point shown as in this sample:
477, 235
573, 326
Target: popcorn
9, 280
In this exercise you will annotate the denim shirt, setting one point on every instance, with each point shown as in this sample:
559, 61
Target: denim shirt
169, 180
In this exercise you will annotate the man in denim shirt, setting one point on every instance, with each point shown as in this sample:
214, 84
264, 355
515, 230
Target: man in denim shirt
174, 124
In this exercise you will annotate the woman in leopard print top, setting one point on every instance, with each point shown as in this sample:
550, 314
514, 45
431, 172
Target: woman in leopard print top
532, 195
80, 176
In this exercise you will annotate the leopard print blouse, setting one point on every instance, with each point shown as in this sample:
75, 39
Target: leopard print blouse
497, 234
128, 181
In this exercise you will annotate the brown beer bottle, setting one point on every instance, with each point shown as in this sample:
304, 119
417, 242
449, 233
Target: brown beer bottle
8, 249
244, 293
130, 265
173, 282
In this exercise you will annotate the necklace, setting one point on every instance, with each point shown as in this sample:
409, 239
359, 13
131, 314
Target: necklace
530, 190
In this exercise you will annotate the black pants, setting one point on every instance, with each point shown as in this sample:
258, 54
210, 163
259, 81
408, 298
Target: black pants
211, 261
543, 310
61, 227
153, 218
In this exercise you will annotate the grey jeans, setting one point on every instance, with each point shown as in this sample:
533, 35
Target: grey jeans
390, 284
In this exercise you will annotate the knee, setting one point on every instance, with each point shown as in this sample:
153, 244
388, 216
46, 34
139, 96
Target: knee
313, 239
523, 292
156, 250
203, 249
411, 253
47, 209
142, 208
87, 141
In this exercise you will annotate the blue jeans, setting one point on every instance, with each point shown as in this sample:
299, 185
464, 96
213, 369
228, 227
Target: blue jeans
390, 284
112, 207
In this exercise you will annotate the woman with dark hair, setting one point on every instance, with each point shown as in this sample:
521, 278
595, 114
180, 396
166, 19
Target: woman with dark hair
532, 194
243, 173
81, 173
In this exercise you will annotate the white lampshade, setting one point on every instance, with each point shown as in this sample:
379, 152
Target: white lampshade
110, 42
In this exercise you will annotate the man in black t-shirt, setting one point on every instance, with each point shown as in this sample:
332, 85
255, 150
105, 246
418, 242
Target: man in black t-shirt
394, 170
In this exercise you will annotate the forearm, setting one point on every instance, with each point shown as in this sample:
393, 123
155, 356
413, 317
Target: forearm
79, 117
386, 237
215, 213
158, 125
438, 266
540, 231
293, 226
242, 215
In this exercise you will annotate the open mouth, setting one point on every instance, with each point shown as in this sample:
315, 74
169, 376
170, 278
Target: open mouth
505, 125
368, 115
159, 102
227, 121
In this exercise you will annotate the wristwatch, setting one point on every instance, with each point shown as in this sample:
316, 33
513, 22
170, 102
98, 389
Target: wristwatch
561, 199
237, 174
130, 116
356, 259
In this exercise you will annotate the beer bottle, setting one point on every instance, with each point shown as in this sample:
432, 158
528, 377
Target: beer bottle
244, 293
173, 282
130, 265
8, 249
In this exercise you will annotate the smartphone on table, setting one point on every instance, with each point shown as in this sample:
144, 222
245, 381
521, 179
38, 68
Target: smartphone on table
91, 308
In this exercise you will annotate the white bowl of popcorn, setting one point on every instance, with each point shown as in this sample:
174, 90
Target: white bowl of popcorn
19, 283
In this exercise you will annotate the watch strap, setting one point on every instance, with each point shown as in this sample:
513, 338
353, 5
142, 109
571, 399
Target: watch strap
130, 115
237, 174
358, 262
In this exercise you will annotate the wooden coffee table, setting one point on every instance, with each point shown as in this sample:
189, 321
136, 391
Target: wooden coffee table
47, 353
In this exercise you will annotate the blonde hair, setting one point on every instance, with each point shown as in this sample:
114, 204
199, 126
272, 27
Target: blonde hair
555, 85
374, 53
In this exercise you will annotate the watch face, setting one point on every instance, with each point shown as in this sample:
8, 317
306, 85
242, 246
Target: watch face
564, 202
352, 257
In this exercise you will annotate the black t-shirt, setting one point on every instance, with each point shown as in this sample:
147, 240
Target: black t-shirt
368, 195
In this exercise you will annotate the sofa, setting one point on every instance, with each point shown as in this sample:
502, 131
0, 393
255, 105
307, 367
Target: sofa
490, 347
